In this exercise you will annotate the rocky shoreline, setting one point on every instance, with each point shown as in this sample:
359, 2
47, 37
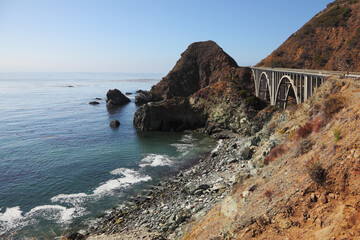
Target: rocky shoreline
161, 210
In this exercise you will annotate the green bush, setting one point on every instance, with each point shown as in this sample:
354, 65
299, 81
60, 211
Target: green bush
243, 93
355, 40
334, 17
337, 134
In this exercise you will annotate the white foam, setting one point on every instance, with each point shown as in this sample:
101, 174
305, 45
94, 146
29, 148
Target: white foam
13, 218
123, 171
129, 177
187, 138
220, 142
183, 148
74, 199
10, 219
53, 212
11, 214
154, 160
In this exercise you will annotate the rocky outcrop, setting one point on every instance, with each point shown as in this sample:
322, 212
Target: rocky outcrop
173, 115
202, 64
114, 98
143, 97
206, 88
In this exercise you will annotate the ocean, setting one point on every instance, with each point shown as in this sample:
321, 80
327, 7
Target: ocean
62, 165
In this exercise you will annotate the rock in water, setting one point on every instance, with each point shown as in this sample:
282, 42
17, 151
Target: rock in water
114, 123
94, 103
114, 98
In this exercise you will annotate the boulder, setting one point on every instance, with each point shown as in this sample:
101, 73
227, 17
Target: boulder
114, 98
114, 123
75, 236
94, 103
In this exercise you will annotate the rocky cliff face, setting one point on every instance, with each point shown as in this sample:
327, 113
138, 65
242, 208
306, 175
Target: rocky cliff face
330, 40
205, 88
202, 64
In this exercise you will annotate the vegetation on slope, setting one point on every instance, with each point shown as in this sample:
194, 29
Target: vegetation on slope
330, 40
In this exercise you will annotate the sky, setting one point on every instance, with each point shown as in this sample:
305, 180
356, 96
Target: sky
140, 36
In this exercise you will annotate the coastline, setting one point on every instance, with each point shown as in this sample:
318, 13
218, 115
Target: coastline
161, 211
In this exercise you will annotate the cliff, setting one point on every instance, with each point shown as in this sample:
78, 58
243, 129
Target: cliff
330, 40
205, 88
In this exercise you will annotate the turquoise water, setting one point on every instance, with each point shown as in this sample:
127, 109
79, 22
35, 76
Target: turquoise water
61, 165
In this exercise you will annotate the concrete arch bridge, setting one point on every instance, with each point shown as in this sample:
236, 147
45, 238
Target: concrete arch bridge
282, 86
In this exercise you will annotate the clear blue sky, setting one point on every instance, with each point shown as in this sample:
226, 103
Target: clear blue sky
144, 36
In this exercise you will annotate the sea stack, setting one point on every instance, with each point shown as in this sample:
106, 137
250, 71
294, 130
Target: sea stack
205, 85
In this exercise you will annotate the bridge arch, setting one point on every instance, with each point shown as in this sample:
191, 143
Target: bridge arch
264, 87
286, 88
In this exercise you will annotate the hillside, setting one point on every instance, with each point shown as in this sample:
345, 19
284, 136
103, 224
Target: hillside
307, 186
330, 40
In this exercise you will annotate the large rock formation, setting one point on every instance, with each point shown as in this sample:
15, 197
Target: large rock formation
205, 88
330, 40
202, 64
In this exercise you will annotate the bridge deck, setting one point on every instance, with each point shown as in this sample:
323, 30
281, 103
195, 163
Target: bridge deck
278, 84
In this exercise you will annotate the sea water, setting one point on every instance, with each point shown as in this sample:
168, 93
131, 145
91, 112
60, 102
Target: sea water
62, 165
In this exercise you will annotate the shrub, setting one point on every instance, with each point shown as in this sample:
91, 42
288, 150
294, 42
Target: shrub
337, 134
333, 105
334, 17
243, 93
320, 60
305, 130
304, 146
355, 40
317, 124
317, 173
274, 153
268, 193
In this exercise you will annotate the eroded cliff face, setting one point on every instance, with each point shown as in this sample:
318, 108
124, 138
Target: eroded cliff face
330, 40
206, 88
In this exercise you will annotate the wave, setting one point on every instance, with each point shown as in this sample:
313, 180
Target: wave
186, 144
129, 177
13, 218
154, 160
